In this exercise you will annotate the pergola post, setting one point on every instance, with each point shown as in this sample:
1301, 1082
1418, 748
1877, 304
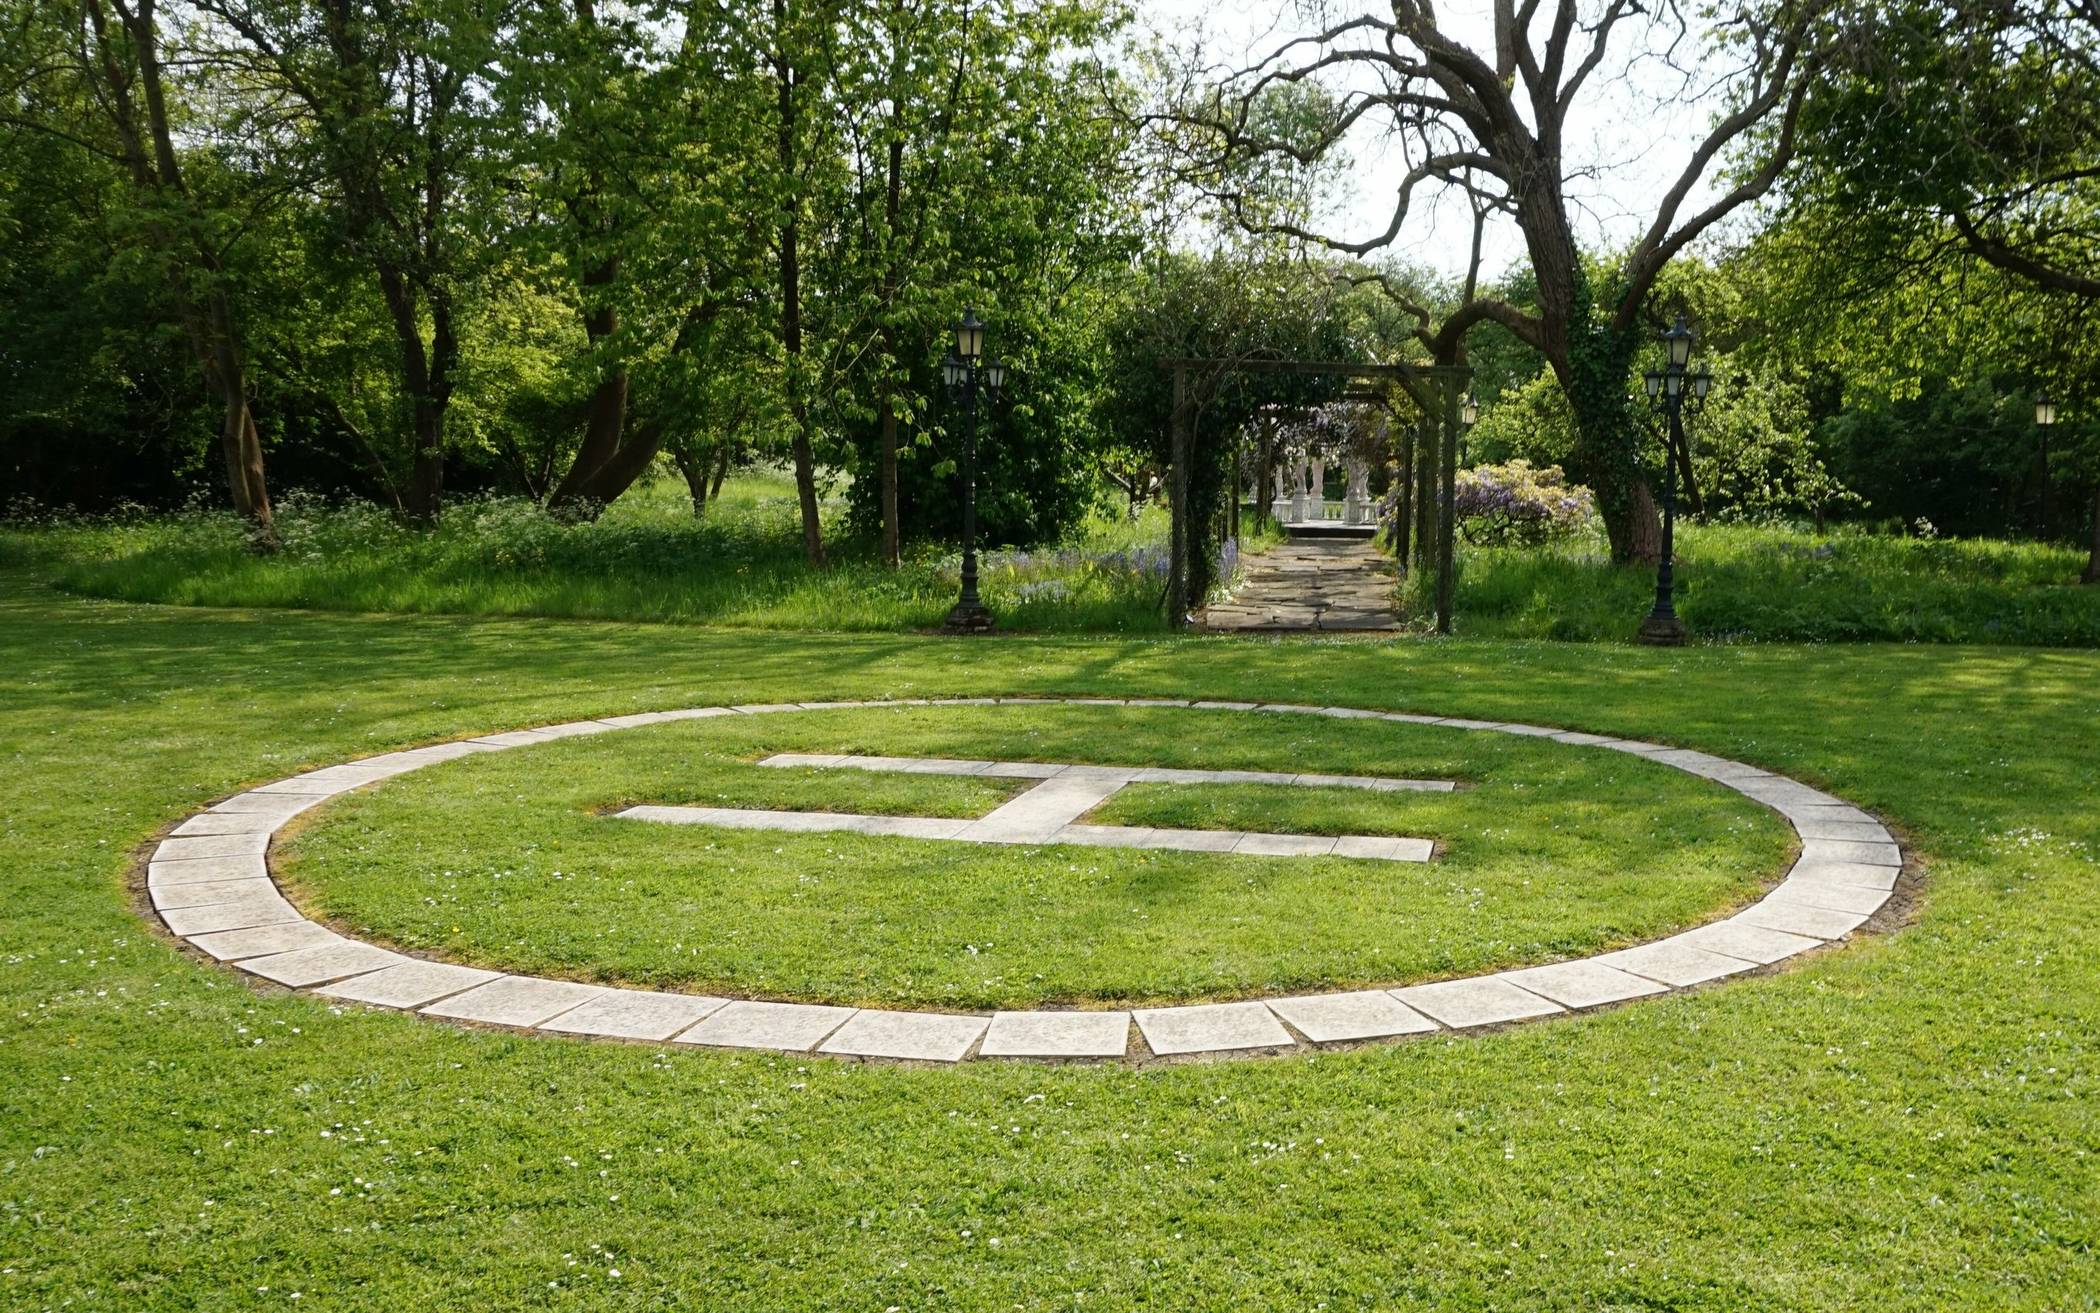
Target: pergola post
1425, 492
1447, 506
1404, 505
1178, 442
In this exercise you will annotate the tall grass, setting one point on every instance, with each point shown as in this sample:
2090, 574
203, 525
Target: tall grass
1755, 584
740, 565
648, 558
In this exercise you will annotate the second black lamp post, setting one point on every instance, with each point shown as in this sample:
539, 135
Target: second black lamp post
1670, 390
965, 370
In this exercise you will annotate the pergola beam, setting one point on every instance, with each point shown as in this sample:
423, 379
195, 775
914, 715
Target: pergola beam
1435, 390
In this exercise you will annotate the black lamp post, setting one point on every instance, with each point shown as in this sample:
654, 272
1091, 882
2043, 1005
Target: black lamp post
1468, 416
964, 370
2045, 419
1667, 392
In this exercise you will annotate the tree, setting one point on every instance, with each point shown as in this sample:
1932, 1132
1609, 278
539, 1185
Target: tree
1493, 126
1966, 131
390, 105
116, 57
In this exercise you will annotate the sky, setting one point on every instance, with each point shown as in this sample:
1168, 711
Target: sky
1631, 129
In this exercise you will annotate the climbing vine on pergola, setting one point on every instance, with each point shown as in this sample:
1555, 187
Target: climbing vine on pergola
1436, 390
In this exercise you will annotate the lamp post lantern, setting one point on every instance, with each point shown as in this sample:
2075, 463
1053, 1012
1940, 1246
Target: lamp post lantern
965, 370
1468, 416
1670, 389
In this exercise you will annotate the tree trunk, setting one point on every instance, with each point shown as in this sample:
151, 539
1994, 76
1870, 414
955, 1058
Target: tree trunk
209, 324
586, 488
721, 472
892, 208
1688, 498
1607, 447
429, 379
2092, 564
585, 485
1643, 524
695, 469
892, 529
791, 299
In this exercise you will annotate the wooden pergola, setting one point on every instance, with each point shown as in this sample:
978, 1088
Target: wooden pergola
1437, 391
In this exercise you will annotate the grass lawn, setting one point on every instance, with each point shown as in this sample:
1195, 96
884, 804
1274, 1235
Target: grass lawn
1911, 1122
508, 860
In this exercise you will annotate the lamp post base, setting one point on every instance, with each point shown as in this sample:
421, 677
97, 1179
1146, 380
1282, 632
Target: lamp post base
1660, 630
968, 618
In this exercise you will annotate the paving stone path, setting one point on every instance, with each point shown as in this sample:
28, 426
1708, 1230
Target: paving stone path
1049, 811
210, 883
1341, 584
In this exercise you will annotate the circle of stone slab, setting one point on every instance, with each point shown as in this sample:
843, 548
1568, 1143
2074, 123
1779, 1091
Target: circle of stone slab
210, 883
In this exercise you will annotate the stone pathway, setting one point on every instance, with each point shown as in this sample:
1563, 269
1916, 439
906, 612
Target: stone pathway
1049, 812
1338, 584
210, 883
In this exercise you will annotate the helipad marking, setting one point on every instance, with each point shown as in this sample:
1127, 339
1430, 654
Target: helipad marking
1049, 811
1849, 876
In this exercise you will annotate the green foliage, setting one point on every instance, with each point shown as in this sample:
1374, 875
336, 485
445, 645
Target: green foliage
1742, 584
740, 564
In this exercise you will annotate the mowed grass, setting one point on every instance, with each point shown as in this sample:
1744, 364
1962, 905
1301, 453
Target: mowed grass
1910, 1122
509, 860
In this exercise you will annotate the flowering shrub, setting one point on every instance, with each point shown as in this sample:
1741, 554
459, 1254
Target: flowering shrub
1518, 504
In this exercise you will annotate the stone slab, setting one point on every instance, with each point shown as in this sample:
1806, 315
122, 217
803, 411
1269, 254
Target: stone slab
1800, 919
1284, 845
1675, 963
923, 1036
515, 1001
1479, 1001
207, 869
1583, 984
792, 1027
1861, 854
262, 941
226, 823
517, 738
1836, 897
1363, 1014
282, 806
408, 984
1192, 841
1210, 1028
1815, 827
212, 845
914, 827
635, 1014
303, 967
205, 893
1057, 1035
1104, 836
798, 760
1858, 875
1753, 943
1384, 849
242, 913
1021, 770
